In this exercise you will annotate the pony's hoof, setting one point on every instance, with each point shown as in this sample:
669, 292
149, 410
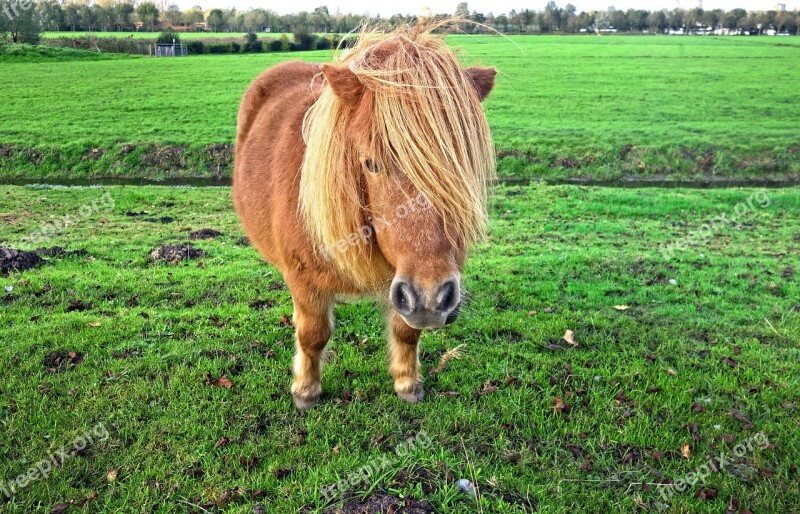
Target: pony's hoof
410, 390
305, 398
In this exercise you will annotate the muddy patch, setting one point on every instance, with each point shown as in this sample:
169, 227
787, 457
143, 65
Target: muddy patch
174, 254
61, 360
165, 157
15, 260
19, 260
92, 154
31, 155
380, 503
204, 233
219, 156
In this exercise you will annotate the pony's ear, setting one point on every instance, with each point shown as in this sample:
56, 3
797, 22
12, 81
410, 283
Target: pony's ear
344, 82
482, 80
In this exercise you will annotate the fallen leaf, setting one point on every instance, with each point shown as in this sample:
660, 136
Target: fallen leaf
222, 442
706, 494
738, 416
622, 307
249, 463
222, 381
58, 509
686, 451
730, 362
281, 473
112, 475
569, 337
94, 323
559, 405
672, 372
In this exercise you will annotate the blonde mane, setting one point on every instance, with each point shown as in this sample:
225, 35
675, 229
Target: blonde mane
423, 117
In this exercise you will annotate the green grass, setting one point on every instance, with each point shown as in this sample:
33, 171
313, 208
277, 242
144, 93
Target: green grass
24, 53
564, 106
643, 381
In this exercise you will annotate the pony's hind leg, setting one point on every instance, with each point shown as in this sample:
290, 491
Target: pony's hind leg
313, 319
404, 359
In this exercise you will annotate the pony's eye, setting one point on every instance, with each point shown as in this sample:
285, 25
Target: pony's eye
371, 166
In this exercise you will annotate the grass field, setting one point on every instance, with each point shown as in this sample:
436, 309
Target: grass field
564, 106
704, 359
154, 35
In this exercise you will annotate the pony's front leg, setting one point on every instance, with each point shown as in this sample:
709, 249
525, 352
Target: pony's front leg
404, 359
313, 319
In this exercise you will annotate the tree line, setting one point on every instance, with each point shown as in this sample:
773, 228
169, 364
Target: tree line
24, 24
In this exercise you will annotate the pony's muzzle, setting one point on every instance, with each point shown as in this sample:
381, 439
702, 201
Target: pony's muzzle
421, 308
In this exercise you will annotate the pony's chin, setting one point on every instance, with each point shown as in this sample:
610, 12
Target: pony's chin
430, 321
425, 324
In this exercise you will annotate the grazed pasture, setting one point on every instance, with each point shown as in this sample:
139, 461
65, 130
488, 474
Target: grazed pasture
674, 362
564, 106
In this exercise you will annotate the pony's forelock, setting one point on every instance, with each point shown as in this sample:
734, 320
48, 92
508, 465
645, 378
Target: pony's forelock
423, 118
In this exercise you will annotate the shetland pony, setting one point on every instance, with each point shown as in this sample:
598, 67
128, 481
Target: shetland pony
367, 176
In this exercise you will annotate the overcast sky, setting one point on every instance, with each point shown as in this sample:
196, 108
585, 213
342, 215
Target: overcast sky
389, 7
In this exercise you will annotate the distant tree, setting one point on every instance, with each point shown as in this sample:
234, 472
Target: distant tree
51, 16
501, 23
550, 18
193, 15
71, 18
147, 13
215, 19
732, 18
87, 17
123, 13
174, 15
321, 19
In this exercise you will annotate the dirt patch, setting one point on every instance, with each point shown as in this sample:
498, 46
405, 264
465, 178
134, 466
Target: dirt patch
204, 233
126, 149
32, 155
219, 155
705, 163
516, 154
18, 260
163, 220
173, 254
243, 241
62, 360
15, 260
380, 503
93, 154
165, 157
624, 151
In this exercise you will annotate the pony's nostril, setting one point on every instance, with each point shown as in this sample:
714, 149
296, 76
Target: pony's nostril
403, 297
447, 297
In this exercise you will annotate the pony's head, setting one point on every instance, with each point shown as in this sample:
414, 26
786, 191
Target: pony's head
397, 164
